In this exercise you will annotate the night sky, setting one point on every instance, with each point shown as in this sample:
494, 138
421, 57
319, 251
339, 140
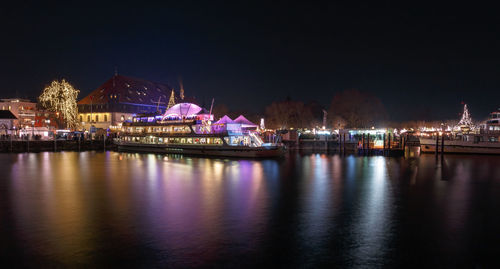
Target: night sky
422, 60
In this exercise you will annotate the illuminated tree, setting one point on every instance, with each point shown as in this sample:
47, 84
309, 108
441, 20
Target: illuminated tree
60, 96
466, 119
465, 123
171, 101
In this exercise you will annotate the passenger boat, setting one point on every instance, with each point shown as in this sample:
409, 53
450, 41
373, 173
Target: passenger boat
485, 141
186, 128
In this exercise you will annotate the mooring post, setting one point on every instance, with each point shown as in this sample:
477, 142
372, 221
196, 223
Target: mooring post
363, 143
326, 142
442, 144
383, 149
368, 143
405, 137
344, 142
389, 142
437, 143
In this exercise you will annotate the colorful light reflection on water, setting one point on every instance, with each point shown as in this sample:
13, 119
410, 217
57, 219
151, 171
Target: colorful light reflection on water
108, 209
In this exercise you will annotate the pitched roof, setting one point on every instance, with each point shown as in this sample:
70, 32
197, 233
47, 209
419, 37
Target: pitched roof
244, 121
122, 89
7, 114
225, 120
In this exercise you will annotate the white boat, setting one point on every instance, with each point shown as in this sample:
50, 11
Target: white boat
486, 141
186, 128
455, 146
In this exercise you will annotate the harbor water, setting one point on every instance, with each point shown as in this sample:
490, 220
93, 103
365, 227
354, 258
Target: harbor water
109, 209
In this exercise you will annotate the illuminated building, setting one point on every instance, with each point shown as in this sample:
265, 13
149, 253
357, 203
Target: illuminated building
119, 99
7, 119
23, 109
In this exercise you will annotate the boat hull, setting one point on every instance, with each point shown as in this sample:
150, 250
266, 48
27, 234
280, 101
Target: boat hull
222, 151
462, 147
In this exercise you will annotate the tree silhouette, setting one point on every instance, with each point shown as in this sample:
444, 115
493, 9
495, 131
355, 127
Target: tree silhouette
356, 109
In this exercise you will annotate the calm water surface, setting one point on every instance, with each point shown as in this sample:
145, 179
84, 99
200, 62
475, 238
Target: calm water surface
96, 209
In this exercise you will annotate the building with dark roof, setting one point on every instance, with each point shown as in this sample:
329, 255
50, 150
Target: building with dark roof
24, 110
7, 121
119, 98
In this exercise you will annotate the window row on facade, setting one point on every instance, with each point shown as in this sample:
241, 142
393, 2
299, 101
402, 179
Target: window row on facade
180, 129
175, 140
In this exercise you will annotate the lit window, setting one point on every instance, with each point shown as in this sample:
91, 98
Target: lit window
105, 117
96, 118
88, 118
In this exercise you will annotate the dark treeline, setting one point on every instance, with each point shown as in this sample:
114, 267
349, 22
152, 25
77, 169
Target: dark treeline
348, 109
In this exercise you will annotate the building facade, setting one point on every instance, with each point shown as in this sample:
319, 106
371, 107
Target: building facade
24, 110
7, 119
119, 99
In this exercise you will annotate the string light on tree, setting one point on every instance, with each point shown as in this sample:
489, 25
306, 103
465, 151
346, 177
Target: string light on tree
171, 101
466, 120
60, 96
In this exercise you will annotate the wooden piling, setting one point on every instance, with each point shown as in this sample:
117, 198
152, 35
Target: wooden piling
340, 142
404, 142
442, 144
389, 142
363, 143
383, 150
437, 143
368, 142
344, 143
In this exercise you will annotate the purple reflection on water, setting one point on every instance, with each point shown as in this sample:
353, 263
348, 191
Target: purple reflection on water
120, 209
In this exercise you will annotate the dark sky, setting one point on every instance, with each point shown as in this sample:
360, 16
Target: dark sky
422, 60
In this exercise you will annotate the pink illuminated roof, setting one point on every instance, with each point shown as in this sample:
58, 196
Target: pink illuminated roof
182, 110
225, 120
244, 121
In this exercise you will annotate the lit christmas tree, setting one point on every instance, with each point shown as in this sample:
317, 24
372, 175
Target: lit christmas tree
465, 122
171, 101
60, 96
